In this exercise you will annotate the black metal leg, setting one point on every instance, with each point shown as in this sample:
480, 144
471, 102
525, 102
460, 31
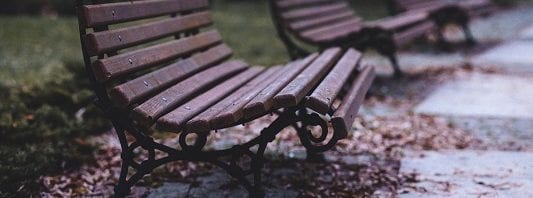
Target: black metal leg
228, 159
394, 61
386, 46
470, 40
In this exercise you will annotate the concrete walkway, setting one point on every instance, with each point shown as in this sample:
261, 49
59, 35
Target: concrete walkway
496, 108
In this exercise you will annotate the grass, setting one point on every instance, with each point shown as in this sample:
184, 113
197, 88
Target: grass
32, 48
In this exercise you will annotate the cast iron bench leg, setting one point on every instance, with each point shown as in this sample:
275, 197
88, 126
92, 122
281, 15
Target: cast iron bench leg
219, 158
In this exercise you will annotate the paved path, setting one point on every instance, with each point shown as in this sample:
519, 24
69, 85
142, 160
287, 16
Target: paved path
495, 108
469, 174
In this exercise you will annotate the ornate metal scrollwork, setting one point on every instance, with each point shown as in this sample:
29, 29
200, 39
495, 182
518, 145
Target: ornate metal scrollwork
228, 159
315, 144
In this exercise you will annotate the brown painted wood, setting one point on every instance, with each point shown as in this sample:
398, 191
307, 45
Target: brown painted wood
320, 21
400, 21
414, 32
112, 13
288, 4
176, 119
135, 90
162, 103
323, 96
334, 31
264, 101
302, 85
303, 13
344, 116
109, 68
113, 40
234, 102
235, 112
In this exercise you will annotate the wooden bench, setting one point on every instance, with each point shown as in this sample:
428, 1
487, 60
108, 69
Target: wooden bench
326, 23
444, 12
160, 63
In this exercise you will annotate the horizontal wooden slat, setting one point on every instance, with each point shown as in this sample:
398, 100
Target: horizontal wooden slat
303, 13
236, 100
263, 102
106, 41
286, 4
323, 96
399, 21
303, 25
162, 103
344, 116
417, 31
175, 120
235, 111
111, 13
334, 32
134, 90
109, 68
298, 88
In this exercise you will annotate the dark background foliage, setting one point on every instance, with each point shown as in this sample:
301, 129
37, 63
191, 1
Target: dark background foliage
43, 129
64, 7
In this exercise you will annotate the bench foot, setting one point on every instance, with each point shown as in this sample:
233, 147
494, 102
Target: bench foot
469, 37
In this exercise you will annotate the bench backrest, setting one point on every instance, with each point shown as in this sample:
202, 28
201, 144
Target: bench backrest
302, 17
136, 49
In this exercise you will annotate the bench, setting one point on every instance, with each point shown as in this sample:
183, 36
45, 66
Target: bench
444, 12
161, 63
326, 23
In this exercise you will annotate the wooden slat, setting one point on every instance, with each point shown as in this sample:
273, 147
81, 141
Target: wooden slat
399, 21
111, 13
109, 68
303, 25
233, 103
412, 33
264, 101
334, 32
298, 88
298, 14
149, 111
323, 96
135, 90
235, 111
176, 119
106, 41
344, 116
286, 4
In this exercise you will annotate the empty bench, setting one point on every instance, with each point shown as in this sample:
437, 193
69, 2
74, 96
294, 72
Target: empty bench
444, 12
160, 63
326, 23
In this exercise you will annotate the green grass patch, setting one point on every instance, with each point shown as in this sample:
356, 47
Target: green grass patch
32, 48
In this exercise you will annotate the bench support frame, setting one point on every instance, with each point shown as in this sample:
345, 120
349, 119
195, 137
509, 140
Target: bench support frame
227, 159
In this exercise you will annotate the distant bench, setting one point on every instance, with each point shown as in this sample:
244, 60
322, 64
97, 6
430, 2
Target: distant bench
161, 63
326, 23
444, 12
